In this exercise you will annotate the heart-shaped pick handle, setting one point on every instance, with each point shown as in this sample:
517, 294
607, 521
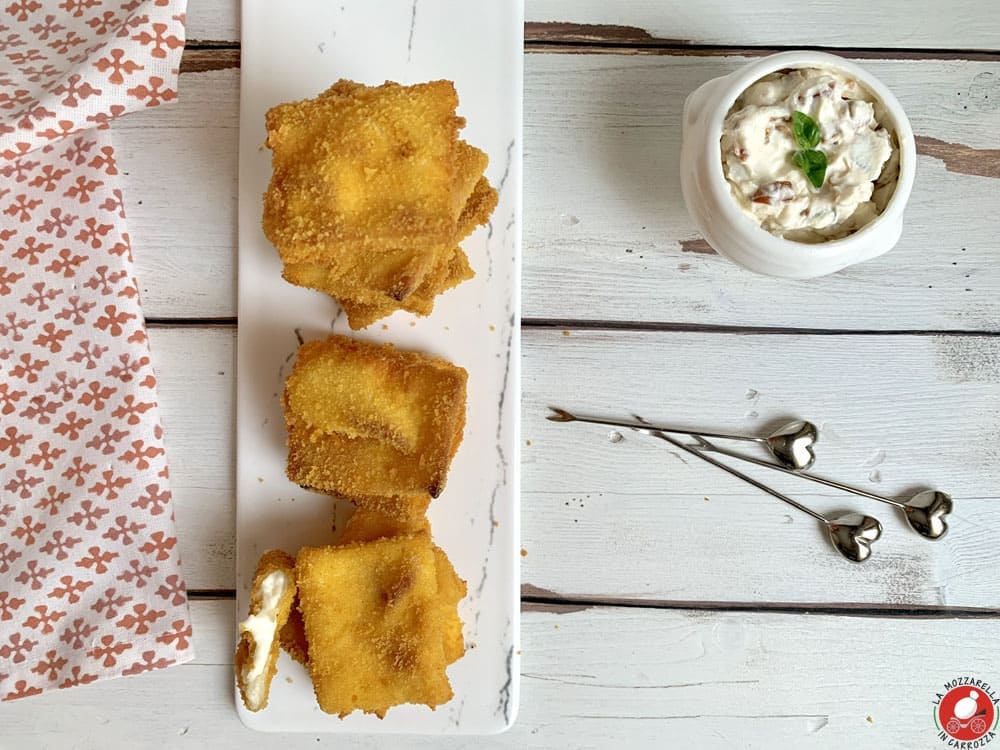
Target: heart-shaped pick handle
793, 444
853, 534
927, 511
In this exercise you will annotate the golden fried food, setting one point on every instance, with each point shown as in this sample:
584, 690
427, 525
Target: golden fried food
375, 624
370, 193
271, 598
293, 635
478, 208
368, 524
393, 280
451, 590
405, 511
450, 269
363, 167
358, 389
370, 421
380, 518
388, 278
349, 467
450, 272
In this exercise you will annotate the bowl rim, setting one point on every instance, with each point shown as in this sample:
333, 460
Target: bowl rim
790, 251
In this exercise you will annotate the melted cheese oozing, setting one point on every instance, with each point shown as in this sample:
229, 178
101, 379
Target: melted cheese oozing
758, 144
263, 628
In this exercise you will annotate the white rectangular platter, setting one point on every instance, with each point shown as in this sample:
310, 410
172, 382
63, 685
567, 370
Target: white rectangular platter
296, 50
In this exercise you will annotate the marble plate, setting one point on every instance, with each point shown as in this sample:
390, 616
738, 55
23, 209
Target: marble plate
293, 51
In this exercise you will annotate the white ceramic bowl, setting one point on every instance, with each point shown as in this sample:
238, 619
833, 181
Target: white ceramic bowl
735, 235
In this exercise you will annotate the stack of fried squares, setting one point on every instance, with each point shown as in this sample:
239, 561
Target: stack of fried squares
371, 193
373, 424
375, 619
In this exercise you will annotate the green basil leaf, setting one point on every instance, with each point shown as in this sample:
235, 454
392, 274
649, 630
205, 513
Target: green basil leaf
813, 164
805, 129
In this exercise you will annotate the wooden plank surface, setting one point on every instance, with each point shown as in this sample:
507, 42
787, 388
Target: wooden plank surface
595, 678
213, 20
196, 374
606, 221
895, 414
692, 533
931, 24
847, 23
607, 236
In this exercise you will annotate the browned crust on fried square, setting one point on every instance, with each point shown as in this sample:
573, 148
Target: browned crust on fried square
450, 272
363, 167
380, 281
331, 461
374, 624
367, 525
453, 271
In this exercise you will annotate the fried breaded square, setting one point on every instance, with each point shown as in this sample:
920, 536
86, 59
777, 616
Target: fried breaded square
363, 167
366, 390
393, 276
314, 275
374, 624
451, 590
386, 278
367, 525
368, 420
359, 389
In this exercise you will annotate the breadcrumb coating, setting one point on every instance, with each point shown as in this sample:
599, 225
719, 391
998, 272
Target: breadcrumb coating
363, 166
371, 191
450, 272
374, 623
367, 525
348, 439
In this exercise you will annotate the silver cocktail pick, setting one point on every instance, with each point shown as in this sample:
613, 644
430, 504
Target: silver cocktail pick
791, 445
925, 511
851, 533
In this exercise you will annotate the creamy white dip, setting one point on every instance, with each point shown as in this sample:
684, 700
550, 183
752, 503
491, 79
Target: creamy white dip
263, 628
758, 145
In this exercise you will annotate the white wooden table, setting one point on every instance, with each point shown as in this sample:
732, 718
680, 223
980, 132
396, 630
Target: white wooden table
664, 603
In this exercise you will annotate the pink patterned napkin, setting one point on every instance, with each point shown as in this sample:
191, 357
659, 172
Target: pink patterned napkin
90, 580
